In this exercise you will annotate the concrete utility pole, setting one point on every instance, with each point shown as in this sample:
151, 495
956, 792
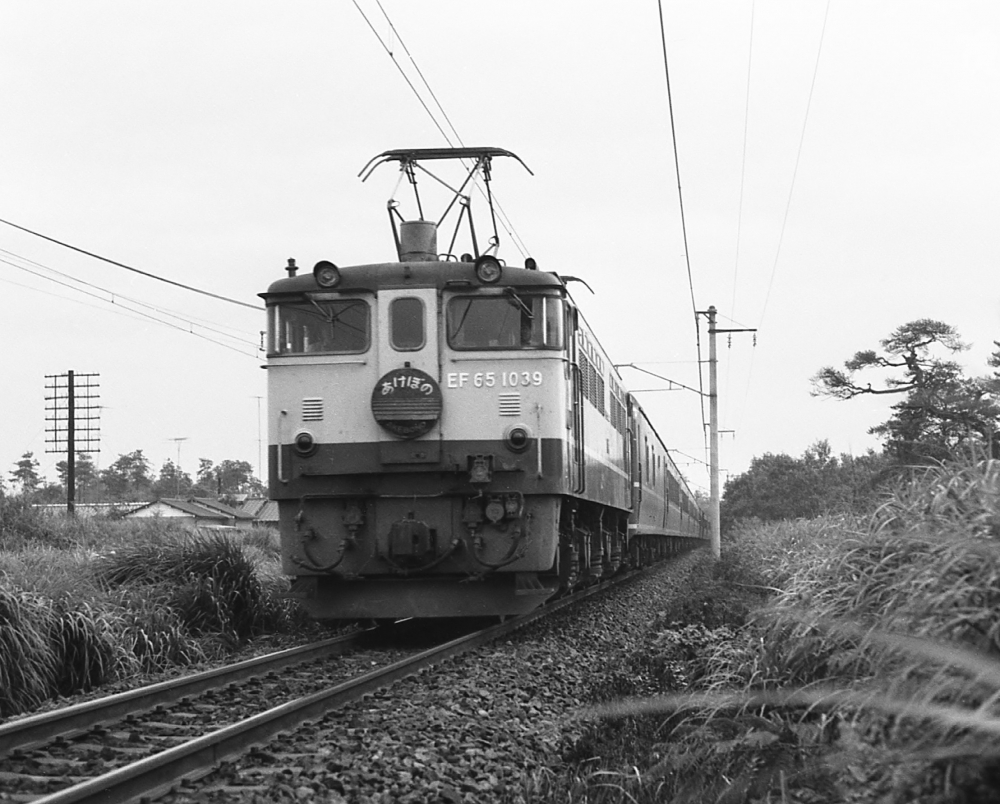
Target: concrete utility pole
713, 435
713, 429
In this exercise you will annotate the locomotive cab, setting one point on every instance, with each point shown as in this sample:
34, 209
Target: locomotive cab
417, 420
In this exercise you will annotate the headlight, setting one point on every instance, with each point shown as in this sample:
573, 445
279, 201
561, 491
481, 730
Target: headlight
326, 274
488, 269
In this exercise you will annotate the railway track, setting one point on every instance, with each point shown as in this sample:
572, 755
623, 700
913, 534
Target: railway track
142, 744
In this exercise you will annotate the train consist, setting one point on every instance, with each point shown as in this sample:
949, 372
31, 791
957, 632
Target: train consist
446, 435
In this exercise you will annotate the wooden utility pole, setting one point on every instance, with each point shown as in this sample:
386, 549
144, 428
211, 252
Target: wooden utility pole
70, 446
72, 416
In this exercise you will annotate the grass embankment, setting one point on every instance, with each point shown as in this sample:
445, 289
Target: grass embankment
867, 670
89, 602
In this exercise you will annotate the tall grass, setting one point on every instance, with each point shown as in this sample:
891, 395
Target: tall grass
872, 673
86, 603
27, 655
210, 581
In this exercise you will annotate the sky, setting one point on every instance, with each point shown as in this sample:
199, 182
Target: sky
838, 164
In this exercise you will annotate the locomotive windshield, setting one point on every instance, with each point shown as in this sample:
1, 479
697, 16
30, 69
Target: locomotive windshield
511, 321
341, 326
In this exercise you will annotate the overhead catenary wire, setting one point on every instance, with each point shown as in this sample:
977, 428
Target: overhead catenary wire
413, 61
743, 176
791, 190
402, 72
798, 159
680, 198
504, 218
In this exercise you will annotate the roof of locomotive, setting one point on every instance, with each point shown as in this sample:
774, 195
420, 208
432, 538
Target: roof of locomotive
436, 274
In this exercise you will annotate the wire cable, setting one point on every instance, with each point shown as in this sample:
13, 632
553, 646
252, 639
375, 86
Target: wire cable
743, 161
136, 313
743, 176
798, 157
114, 296
129, 267
680, 198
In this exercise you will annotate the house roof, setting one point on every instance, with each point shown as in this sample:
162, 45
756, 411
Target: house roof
215, 505
261, 509
188, 507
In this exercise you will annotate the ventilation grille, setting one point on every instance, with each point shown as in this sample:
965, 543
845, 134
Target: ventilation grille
312, 409
510, 404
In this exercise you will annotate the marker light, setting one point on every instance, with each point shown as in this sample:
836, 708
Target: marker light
304, 442
517, 438
327, 274
488, 269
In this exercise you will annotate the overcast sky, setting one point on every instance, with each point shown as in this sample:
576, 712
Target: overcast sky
209, 142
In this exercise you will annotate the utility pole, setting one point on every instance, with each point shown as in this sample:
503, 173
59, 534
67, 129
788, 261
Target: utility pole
713, 429
713, 436
71, 412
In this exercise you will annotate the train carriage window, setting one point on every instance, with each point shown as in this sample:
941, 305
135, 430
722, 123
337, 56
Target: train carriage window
406, 324
514, 320
341, 326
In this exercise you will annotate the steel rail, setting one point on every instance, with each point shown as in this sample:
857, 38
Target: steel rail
158, 774
35, 730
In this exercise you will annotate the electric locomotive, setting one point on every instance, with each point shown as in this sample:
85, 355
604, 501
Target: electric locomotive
446, 435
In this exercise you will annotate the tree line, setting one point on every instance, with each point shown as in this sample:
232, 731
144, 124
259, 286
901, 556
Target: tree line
131, 479
939, 414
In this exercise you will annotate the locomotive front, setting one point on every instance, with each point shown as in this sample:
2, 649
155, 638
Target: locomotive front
418, 444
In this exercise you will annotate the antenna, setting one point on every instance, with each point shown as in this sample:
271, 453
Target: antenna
177, 466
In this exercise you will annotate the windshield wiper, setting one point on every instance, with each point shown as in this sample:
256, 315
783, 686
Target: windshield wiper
518, 301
